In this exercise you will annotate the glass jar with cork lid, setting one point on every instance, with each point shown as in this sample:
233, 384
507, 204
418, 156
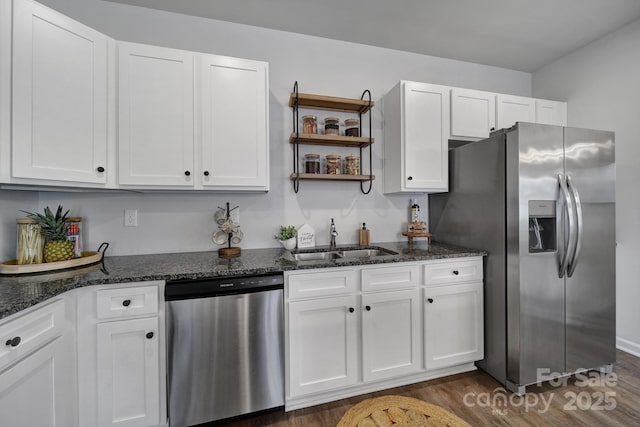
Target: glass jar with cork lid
333, 164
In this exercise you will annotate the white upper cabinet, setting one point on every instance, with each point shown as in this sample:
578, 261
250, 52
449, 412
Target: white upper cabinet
416, 133
59, 102
551, 112
511, 109
235, 130
155, 118
473, 113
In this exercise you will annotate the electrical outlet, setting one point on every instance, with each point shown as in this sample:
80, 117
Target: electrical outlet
130, 218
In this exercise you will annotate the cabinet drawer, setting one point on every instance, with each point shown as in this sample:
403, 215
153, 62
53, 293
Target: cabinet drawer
30, 331
388, 278
126, 302
321, 283
458, 271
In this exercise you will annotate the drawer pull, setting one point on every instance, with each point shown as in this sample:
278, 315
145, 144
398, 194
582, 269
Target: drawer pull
13, 342
430, 300
126, 302
351, 309
100, 169
456, 272
367, 307
149, 335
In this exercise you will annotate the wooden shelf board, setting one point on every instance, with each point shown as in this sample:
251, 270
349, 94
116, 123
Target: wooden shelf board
327, 177
331, 103
333, 140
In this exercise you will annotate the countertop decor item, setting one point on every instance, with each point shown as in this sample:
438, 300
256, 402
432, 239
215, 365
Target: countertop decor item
229, 232
306, 237
54, 229
398, 410
287, 237
12, 268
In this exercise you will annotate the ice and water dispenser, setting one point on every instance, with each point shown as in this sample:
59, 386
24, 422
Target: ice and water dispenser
542, 226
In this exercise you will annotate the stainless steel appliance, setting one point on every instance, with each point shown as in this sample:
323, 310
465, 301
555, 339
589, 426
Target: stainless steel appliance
225, 355
540, 200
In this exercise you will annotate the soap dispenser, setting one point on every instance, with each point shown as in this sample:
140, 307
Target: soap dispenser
364, 235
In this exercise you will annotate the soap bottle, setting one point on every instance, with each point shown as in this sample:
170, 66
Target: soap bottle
364, 235
414, 211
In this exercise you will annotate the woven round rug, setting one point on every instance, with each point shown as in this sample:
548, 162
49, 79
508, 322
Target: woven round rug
398, 411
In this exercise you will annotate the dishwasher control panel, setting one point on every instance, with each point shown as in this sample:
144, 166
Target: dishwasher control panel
203, 288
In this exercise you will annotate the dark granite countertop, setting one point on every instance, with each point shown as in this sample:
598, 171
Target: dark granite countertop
20, 292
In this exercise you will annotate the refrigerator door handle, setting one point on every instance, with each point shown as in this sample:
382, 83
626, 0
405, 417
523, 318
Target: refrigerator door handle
568, 210
578, 241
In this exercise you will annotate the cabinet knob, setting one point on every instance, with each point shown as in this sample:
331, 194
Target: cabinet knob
13, 342
187, 173
430, 300
100, 169
456, 272
149, 335
206, 173
410, 178
126, 302
351, 309
367, 307
492, 129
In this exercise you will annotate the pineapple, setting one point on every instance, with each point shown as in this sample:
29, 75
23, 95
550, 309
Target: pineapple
54, 229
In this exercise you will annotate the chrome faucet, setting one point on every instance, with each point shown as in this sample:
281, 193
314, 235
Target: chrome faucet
333, 233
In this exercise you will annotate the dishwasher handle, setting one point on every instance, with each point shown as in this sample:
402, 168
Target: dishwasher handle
207, 288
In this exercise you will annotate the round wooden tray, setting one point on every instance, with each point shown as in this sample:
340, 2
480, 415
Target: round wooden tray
12, 268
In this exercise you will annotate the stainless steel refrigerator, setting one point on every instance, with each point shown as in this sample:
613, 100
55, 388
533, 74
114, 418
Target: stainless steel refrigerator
541, 200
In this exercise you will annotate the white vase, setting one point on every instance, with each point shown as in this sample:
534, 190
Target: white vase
289, 244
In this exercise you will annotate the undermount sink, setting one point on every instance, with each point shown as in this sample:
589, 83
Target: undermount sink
344, 253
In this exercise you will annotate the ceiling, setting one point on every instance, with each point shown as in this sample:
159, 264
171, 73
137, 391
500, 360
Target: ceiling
521, 35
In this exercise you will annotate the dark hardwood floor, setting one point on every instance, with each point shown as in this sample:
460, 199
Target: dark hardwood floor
476, 398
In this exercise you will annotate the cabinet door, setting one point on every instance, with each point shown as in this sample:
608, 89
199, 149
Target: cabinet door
551, 112
59, 97
155, 118
235, 132
426, 137
453, 325
473, 113
322, 345
512, 109
35, 391
128, 373
390, 334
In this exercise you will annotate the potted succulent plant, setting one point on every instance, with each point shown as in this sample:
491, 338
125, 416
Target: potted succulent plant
287, 236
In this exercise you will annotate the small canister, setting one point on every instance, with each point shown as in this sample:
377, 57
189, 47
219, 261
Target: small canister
331, 126
30, 242
352, 165
312, 163
74, 234
310, 124
334, 164
352, 127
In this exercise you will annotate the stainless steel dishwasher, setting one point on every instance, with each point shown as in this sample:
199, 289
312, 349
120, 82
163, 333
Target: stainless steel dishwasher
225, 355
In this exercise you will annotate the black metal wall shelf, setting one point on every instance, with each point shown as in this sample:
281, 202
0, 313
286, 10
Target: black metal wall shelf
320, 102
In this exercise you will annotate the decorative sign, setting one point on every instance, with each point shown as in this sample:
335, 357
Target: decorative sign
306, 237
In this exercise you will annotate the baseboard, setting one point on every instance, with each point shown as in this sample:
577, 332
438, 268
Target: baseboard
628, 346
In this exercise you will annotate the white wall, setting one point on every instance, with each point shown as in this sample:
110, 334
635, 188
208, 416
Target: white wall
183, 222
602, 87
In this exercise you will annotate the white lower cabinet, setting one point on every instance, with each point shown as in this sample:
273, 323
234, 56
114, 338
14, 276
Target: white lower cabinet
390, 334
121, 362
37, 369
453, 325
322, 348
128, 368
356, 330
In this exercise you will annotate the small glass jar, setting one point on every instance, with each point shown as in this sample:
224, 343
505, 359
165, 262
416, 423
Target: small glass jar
352, 127
30, 242
310, 124
352, 165
333, 164
312, 163
74, 234
331, 126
